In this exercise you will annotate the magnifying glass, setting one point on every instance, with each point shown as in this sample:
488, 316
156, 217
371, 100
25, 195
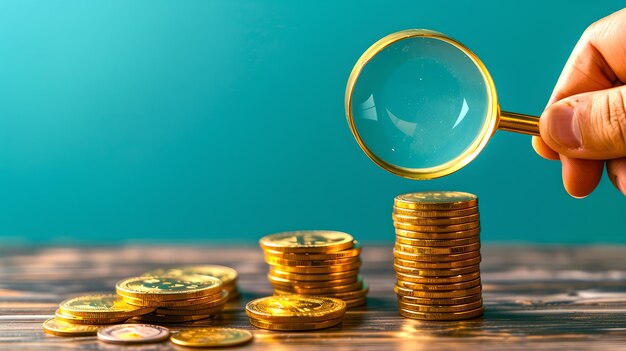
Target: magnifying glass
422, 105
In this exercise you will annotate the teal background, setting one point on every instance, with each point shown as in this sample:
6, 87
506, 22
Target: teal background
138, 121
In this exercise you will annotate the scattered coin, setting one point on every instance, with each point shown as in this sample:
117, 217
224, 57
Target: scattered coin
59, 327
211, 337
133, 334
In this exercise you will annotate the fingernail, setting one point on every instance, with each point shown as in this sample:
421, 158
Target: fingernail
563, 126
621, 184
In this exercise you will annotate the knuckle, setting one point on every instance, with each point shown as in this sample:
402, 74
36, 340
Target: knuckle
612, 122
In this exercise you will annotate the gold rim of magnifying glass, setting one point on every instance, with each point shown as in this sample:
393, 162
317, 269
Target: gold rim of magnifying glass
470, 152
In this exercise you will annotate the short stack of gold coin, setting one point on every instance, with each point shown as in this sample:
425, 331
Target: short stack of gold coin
227, 275
437, 255
296, 312
90, 310
320, 263
176, 298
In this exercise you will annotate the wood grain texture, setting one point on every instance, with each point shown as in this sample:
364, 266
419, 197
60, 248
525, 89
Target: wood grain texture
565, 298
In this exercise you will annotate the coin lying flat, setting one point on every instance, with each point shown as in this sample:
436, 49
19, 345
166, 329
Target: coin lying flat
434, 257
313, 241
439, 287
175, 303
437, 294
440, 302
169, 287
277, 272
431, 272
440, 316
449, 250
435, 213
321, 269
437, 228
311, 284
226, 274
171, 319
416, 234
59, 327
438, 279
101, 306
211, 337
436, 200
352, 252
299, 326
437, 265
86, 320
437, 243
133, 334
435, 221
295, 308
440, 308
276, 261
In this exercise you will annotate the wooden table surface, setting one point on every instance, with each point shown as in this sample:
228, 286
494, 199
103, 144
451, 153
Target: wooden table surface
562, 298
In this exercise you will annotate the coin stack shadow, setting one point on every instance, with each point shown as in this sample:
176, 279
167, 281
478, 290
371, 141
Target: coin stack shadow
330, 270
437, 256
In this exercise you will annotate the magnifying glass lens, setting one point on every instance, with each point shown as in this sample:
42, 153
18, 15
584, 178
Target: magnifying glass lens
420, 102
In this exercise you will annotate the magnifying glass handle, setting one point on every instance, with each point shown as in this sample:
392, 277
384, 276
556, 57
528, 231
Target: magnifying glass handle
519, 123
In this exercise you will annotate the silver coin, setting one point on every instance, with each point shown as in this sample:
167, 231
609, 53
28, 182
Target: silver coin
133, 334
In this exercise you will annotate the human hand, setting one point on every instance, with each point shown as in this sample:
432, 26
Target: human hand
584, 124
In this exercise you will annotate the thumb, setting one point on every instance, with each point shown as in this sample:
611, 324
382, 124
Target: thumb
587, 126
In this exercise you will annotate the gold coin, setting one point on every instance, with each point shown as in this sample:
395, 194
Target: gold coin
200, 311
450, 250
163, 319
435, 258
276, 261
165, 288
299, 326
436, 200
224, 298
62, 328
350, 295
435, 221
451, 316
321, 270
311, 241
352, 252
227, 275
411, 234
325, 290
438, 280
101, 307
436, 273
359, 301
436, 294
87, 321
277, 272
440, 308
174, 303
439, 287
436, 228
435, 213
440, 302
295, 308
400, 263
437, 243
278, 281
211, 337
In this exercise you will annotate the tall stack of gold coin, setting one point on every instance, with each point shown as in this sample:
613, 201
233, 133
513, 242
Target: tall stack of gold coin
437, 255
176, 298
320, 263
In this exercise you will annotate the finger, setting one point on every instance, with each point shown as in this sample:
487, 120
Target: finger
617, 173
598, 61
543, 149
581, 177
587, 126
